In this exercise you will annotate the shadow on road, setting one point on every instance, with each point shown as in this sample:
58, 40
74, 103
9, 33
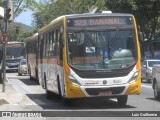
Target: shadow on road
26, 81
80, 104
153, 99
29, 82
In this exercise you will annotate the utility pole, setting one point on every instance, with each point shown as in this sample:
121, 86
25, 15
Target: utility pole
5, 4
7, 16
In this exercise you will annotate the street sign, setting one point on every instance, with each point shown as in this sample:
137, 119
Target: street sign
4, 38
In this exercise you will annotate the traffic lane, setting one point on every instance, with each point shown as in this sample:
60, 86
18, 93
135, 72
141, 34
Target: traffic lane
144, 101
37, 94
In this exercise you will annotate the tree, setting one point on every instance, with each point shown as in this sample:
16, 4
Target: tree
147, 13
22, 5
19, 7
42, 15
23, 35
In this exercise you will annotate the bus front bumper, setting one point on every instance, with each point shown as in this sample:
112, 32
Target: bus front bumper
73, 91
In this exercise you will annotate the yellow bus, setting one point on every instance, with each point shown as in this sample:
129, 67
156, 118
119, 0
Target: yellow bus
90, 55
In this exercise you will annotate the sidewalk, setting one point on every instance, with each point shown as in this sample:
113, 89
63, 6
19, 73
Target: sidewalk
14, 100
12, 96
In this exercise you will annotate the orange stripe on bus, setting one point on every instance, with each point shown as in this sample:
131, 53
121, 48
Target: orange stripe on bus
51, 61
68, 70
137, 66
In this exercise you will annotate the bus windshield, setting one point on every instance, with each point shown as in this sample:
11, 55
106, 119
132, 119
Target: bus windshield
15, 51
96, 49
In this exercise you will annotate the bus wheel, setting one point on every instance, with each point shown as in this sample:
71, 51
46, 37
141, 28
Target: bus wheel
156, 92
29, 73
48, 93
122, 100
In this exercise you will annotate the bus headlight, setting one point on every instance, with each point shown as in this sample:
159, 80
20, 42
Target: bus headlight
73, 80
134, 77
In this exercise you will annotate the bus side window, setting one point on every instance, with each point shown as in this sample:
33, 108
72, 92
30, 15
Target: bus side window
61, 46
56, 47
42, 46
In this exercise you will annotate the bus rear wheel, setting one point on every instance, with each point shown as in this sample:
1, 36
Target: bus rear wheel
122, 100
48, 93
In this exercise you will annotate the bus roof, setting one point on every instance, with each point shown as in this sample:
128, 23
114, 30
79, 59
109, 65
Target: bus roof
33, 37
96, 15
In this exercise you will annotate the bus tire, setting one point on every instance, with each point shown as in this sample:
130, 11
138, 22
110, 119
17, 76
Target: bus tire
29, 73
122, 100
43, 84
48, 93
156, 92
36, 71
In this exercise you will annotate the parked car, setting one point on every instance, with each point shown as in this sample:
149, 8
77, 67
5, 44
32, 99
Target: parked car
156, 80
147, 68
22, 67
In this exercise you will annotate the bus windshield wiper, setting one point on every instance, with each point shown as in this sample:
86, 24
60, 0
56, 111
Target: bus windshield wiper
114, 39
90, 37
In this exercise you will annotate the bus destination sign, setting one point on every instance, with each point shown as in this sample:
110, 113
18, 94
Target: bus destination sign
15, 45
97, 21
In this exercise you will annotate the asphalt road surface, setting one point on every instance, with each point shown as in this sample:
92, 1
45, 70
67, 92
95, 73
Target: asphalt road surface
137, 106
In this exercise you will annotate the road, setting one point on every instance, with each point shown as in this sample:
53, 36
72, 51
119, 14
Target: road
95, 107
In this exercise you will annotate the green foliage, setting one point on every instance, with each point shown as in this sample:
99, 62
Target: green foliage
19, 7
22, 5
23, 33
1, 3
146, 12
47, 11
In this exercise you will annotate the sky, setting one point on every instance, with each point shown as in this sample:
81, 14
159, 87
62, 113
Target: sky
25, 18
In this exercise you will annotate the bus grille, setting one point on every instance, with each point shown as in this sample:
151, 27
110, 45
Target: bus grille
96, 91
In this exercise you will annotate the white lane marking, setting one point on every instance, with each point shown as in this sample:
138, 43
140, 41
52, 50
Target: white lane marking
147, 86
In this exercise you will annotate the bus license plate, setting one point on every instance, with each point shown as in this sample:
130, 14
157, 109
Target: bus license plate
108, 93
